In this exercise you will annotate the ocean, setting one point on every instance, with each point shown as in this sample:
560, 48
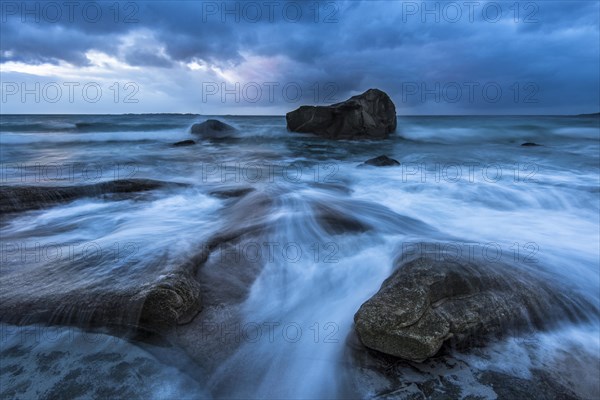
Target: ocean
310, 237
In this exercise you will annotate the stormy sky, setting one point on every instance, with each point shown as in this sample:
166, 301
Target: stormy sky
269, 57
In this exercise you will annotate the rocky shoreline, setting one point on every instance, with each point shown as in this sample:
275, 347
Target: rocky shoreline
410, 339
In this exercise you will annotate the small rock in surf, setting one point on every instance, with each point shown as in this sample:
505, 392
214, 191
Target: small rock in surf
530, 144
213, 129
184, 143
381, 161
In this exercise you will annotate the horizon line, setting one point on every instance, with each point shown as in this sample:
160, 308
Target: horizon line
283, 115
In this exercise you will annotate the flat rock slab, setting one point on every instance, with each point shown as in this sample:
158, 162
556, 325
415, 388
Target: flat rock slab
22, 198
45, 295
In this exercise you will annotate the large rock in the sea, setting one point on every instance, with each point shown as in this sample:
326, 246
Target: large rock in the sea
429, 301
213, 129
371, 115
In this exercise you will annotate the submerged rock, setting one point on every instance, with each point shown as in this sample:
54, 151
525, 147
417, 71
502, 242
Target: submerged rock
530, 144
335, 221
381, 161
22, 198
65, 362
213, 129
371, 115
227, 193
428, 302
184, 143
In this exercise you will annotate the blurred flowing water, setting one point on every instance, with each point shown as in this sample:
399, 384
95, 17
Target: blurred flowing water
331, 231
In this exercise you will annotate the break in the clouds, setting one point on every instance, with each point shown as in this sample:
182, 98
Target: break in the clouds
267, 57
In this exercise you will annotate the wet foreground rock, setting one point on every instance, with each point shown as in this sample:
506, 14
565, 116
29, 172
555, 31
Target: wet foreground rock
88, 291
380, 376
47, 295
22, 198
428, 302
371, 115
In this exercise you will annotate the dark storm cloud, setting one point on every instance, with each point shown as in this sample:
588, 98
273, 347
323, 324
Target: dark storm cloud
141, 58
35, 44
355, 44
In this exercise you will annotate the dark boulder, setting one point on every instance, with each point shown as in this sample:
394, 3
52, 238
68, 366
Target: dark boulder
184, 143
213, 129
371, 115
381, 161
428, 302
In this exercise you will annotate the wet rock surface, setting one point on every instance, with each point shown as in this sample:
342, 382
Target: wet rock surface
61, 362
161, 302
22, 198
428, 302
225, 279
228, 193
335, 221
450, 376
155, 297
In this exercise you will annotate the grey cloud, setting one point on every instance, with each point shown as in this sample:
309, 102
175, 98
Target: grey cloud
371, 44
